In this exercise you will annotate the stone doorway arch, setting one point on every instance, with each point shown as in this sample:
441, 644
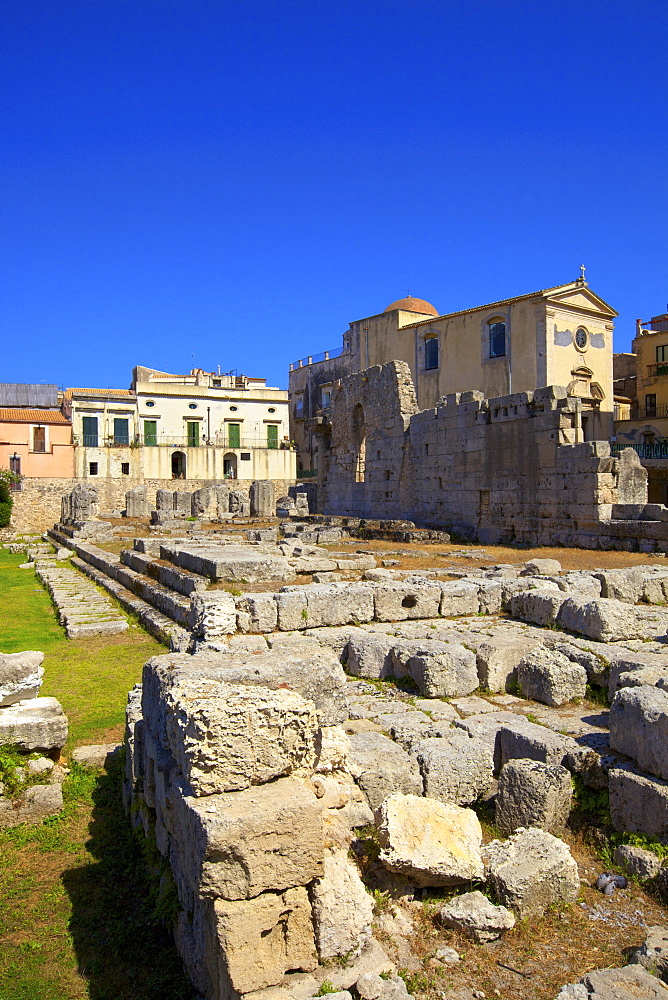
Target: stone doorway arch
178, 465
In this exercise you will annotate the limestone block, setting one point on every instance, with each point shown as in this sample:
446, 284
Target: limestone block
204, 503
236, 845
261, 608
586, 584
631, 982
639, 727
541, 567
531, 870
443, 673
36, 724
638, 802
36, 804
594, 660
456, 768
291, 609
637, 861
540, 606
369, 656
432, 842
490, 596
338, 604
487, 727
497, 661
605, 619
212, 615
262, 499
256, 941
332, 747
533, 794
523, 739
401, 601
624, 664
459, 598
653, 952
97, 755
381, 768
477, 917
622, 584
20, 676
342, 908
226, 737
550, 677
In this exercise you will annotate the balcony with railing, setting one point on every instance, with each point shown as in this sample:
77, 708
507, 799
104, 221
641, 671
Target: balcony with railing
313, 359
643, 411
229, 442
657, 450
657, 370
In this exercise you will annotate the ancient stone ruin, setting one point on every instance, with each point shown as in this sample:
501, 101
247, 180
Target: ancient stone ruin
510, 469
36, 730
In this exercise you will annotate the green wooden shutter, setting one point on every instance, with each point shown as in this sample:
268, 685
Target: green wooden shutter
151, 432
89, 432
234, 435
272, 435
121, 430
193, 434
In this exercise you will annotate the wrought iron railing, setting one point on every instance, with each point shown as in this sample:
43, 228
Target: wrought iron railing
645, 411
657, 450
655, 371
167, 441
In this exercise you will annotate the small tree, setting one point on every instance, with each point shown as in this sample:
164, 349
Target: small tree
7, 480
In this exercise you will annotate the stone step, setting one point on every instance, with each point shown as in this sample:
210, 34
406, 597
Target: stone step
164, 599
180, 580
160, 626
81, 608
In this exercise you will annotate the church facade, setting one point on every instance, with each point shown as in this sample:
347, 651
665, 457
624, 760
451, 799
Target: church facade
557, 336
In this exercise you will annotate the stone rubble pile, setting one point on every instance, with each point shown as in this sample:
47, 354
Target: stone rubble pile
36, 728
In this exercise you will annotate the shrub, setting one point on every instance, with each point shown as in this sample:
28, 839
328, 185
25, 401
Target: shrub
7, 479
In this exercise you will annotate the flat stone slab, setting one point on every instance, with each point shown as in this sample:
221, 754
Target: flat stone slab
37, 724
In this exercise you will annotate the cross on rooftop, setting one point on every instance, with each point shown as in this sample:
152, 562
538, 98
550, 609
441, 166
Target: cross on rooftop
582, 270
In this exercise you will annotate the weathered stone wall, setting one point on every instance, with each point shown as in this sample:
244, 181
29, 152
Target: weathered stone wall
38, 505
510, 469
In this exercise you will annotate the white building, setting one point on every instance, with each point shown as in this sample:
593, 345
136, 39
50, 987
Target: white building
202, 426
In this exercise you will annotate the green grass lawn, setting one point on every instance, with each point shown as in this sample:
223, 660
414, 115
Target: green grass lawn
79, 898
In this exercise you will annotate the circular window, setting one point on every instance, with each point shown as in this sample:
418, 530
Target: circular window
272, 409
149, 402
581, 338
234, 408
192, 406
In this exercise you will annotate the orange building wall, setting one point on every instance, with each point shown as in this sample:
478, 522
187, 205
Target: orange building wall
56, 462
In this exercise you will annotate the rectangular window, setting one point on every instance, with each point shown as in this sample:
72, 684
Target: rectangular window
245, 456
125, 468
272, 435
121, 430
92, 468
662, 354
39, 439
89, 426
234, 435
192, 428
431, 353
15, 468
326, 395
650, 404
299, 406
151, 432
497, 340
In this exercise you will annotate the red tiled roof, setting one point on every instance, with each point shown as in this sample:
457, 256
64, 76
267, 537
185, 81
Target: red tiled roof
21, 415
124, 393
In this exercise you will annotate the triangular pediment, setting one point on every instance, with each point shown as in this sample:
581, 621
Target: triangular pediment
582, 299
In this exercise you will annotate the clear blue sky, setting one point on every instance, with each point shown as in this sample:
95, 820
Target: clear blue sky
231, 182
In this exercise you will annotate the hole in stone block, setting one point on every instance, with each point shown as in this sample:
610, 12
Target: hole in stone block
409, 601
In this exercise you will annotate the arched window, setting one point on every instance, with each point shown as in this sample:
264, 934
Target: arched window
431, 353
497, 338
359, 437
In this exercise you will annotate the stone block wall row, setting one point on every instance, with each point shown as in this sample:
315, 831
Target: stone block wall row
222, 764
38, 505
510, 469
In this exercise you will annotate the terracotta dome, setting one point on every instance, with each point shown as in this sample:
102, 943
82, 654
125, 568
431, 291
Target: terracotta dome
413, 305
